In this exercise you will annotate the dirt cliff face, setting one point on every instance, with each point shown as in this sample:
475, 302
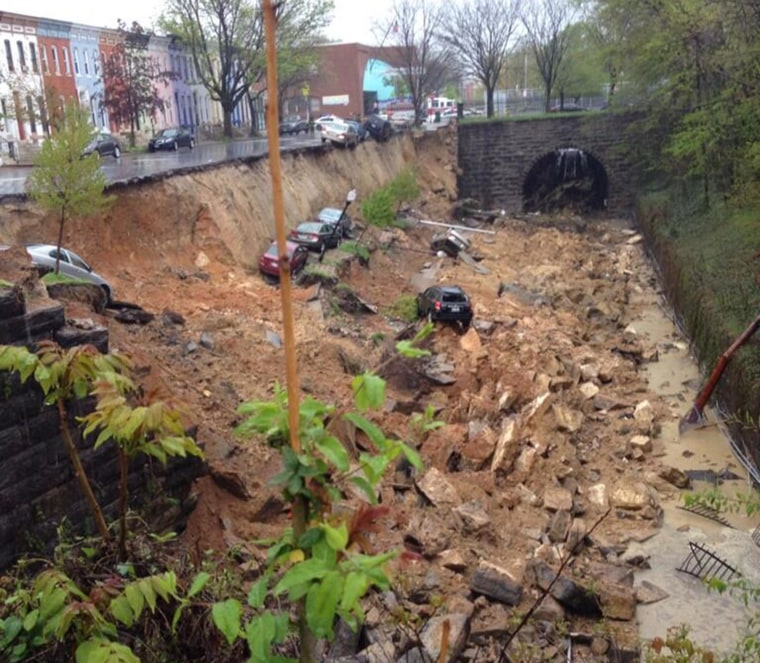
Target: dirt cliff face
549, 422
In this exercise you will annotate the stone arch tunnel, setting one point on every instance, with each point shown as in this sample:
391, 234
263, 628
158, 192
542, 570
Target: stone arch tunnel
540, 164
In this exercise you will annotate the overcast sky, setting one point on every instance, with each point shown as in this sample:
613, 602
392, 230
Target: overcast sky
351, 21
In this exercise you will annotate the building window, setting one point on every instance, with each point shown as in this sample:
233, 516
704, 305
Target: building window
33, 58
43, 116
43, 58
86, 54
56, 63
9, 55
75, 53
95, 63
21, 55
66, 63
32, 114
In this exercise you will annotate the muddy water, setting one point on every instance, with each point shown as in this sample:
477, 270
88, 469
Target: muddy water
715, 622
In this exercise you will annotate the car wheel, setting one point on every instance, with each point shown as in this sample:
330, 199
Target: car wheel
107, 292
430, 317
116, 151
175, 145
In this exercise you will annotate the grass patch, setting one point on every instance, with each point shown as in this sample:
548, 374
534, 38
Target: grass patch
5, 284
51, 278
356, 249
404, 308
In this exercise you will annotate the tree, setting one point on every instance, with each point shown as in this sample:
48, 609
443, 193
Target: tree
225, 39
131, 77
546, 22
481, 32
61, 180
424, 61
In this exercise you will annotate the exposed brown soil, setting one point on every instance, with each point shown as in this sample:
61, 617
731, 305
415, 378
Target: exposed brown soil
551, 320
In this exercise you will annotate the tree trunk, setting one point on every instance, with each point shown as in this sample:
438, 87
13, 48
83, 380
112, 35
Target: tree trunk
254, 119
61, 221
489, 102
80, 475
227, 114
123, 502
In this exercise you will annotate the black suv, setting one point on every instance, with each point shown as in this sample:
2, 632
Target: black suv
378, 128
445, 302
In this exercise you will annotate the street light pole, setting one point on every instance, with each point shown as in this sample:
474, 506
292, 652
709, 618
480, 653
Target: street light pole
350, 197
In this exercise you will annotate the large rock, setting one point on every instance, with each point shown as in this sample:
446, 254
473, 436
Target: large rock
430, 532
567, 419
437, 488
472, 516
496, 583
456, 626
631, 495
507, 446
557, 498
574, 596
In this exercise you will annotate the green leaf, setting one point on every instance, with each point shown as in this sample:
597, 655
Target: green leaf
406, 349
373, 432
92, 651
321, 604
146, 588
258, 592
411, 455
135, 599
300, 574
366, 487
198, 583
121, 609
337, 537
369, 391
334, 451
260, 633
30, 620
355, 587
227, 616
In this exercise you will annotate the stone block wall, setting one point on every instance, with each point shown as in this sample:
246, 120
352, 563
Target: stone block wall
38, 490
494, 158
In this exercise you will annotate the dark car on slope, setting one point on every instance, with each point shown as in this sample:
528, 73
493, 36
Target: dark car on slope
332, 215
269, 262
315, 235
172, 140
103, 145
293, 126
446, 303
378, 128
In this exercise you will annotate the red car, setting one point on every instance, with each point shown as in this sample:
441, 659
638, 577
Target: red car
269, 263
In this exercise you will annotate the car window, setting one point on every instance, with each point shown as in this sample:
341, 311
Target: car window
310, 228
77, 261
272, 250
63, 256
454, 297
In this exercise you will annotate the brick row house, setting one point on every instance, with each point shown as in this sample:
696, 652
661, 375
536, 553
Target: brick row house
44, 63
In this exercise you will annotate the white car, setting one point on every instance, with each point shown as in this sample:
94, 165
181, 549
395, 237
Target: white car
70, 264
340, 133
321, 121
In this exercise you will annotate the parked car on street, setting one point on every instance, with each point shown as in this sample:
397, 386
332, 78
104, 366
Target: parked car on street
103, 144
331, 215
340, 133
43, 258
315, 235
378, 127
171, 139
324, 119
567, 108
360, 130
293, 126
446, 303
269, 262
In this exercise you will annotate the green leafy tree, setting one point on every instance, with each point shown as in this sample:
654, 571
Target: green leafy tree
62, 181
131, 77
404, 187
138, 422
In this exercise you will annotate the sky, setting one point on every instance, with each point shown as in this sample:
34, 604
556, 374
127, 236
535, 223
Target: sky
351, 22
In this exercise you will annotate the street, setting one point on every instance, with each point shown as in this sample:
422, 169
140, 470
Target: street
143, 164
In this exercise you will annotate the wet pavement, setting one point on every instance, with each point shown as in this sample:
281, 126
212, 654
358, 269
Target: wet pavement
715, 621
133, 167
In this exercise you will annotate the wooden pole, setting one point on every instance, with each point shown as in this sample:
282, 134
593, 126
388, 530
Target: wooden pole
308, 645
275, 167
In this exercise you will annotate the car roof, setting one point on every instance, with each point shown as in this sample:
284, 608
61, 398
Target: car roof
311, 224
330, 212
449, 289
